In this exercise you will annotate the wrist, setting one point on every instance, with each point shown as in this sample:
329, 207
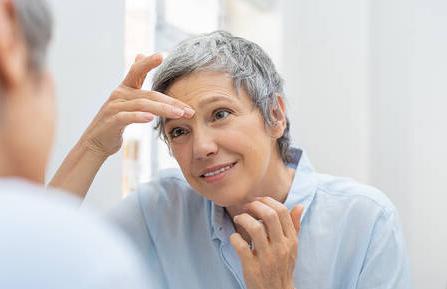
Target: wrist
89, 151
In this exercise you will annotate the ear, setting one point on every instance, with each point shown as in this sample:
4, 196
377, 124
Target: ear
13, 61
278, 115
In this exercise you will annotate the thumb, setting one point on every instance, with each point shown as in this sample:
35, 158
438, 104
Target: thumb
296, 214
140, 68
139, 57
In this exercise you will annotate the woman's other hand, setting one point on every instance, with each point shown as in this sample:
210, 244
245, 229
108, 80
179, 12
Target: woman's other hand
273, 231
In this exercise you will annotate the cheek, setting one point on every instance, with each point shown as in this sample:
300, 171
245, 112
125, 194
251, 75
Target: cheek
183, 157
249, 138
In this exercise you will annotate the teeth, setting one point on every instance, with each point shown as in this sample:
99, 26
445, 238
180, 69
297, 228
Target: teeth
219, 171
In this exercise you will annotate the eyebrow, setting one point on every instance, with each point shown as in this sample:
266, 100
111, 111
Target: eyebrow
205, 101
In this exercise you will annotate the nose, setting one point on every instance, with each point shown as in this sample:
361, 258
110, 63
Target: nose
204, 145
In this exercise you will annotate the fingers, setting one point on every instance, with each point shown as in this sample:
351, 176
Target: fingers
125, 118
172, 101
154, 107
254, 228
141, 67
139, 57
296, 214
241, 246
269, 217
129, 99
158, 103
283, 214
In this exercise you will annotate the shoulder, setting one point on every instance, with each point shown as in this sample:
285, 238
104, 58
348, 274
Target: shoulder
56, 221
168, 189
156, 203
50, 210
168, 185
352, 193
348, 206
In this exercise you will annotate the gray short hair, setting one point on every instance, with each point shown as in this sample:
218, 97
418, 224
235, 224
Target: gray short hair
246, 62
36, 23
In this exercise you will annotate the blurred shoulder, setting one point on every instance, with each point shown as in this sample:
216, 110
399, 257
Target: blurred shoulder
40, 226
353, 195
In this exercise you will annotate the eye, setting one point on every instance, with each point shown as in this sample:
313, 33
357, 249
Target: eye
176, 132
221, 114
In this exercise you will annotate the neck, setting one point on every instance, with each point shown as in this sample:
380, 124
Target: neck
279, 178
13, 166
6, 169
5, 160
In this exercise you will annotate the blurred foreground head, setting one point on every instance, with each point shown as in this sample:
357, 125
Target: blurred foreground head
26, 89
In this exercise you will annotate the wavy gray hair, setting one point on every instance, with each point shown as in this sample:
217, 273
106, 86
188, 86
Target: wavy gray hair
246, 62
36, 23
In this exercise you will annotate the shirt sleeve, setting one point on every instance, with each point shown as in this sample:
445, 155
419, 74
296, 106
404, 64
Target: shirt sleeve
386, 264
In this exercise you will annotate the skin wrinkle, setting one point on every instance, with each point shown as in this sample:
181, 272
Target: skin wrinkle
245, 62
241, 136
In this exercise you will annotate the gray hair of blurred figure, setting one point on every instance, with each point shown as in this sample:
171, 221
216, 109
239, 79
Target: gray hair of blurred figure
36, 24
246, 62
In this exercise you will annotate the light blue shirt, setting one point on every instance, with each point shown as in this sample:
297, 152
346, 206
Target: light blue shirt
350, 235
47, 243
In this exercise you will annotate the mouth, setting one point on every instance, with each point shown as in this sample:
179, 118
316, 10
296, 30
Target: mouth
217, 173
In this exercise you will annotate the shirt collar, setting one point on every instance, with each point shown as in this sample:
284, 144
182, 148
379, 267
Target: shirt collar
302, 192
304, 184
221, 225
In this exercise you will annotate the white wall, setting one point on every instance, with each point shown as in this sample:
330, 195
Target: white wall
366, 80
262, 26
87, 59
410, 44
326, 69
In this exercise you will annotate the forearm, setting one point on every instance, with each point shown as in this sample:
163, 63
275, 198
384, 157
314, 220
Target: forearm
78, 170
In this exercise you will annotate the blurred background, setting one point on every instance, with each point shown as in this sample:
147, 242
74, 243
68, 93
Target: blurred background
365, 83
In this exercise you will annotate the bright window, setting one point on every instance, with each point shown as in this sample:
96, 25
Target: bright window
157, 26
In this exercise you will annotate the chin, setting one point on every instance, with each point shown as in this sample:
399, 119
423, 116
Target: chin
223, 194
224, 199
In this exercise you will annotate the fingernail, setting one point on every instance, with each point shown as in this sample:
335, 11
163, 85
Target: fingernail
189, 112
178, 111
235, 219
148, 116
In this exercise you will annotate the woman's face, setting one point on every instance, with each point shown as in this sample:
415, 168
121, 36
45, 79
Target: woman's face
225, 151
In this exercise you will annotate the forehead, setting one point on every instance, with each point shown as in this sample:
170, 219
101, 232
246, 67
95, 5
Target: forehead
195, 87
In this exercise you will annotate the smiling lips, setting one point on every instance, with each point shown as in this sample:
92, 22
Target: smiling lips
216, 173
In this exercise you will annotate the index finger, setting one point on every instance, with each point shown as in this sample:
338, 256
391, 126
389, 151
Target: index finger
160, 97
296, 214
283, 214
140, 68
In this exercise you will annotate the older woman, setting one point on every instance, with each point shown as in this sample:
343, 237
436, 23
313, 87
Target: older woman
45, 242
230, 218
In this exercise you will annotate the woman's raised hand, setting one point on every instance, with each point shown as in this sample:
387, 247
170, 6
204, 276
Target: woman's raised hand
128, 104
273, 232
